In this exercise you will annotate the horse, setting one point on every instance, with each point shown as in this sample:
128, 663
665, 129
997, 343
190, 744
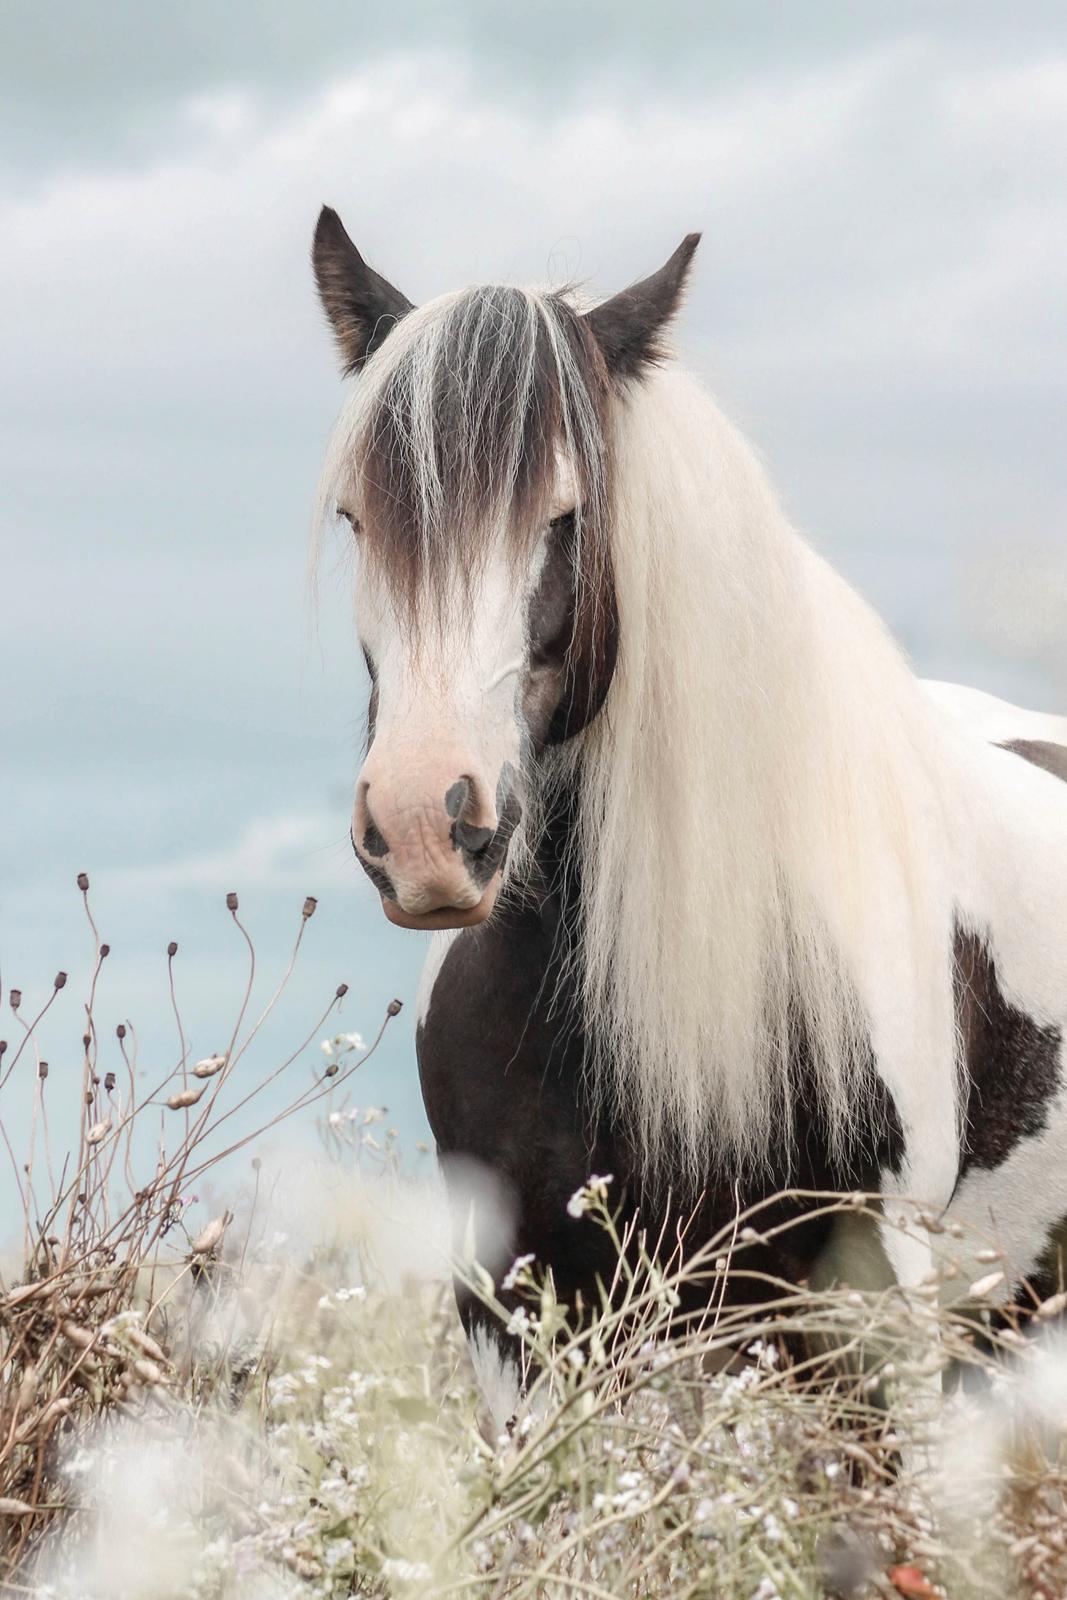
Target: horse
724, 900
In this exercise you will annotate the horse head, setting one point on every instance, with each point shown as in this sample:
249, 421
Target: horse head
473, 463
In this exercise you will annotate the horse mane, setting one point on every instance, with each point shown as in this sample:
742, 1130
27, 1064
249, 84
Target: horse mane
760, 804
757, 800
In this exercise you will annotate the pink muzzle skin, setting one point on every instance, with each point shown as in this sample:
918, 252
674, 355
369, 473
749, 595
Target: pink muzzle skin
428, 850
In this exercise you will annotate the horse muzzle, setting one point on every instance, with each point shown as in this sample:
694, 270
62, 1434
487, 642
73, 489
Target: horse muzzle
434, 853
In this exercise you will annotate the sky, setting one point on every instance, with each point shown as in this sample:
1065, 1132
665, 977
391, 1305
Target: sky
878, 301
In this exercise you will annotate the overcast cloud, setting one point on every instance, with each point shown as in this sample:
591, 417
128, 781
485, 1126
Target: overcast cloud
879, 300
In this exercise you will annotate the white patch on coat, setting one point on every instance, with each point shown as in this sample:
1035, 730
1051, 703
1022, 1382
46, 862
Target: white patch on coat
440, 944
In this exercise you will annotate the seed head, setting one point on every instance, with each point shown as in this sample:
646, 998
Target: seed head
309, 907
185, 1097
105, 951
342, 990
172, 948
211, 1237
83, 881
109, 1081
42, 1069
97, 1132
60, 981
231, 901
394, 1008
16, 999
209, 1066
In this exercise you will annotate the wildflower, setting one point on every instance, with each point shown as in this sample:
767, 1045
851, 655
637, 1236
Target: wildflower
517, 1272
593, 1190
519, 1321
327, 1048
405, 1571
339, 1552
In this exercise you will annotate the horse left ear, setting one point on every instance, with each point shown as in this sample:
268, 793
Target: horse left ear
363, 307
628, 326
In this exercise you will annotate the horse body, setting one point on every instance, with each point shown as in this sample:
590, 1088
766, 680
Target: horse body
734, 903
502, 1062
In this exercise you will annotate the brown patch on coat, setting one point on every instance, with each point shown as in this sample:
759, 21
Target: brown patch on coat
1041, 753
1012, 1061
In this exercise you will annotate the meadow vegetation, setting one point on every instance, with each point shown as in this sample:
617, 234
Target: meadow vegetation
270, 1394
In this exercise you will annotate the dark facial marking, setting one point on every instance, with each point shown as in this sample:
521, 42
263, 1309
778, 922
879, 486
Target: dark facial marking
372, 702
1042, 753
571, 658
1012, 1061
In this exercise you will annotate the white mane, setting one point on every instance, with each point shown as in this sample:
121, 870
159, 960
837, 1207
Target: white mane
764, 768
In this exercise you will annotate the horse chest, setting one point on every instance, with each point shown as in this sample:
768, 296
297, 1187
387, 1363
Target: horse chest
501, 1068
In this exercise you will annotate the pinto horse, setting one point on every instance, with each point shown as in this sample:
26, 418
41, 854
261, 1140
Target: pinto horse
724, 900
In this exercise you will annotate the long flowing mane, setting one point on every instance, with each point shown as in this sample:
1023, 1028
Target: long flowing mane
760, 802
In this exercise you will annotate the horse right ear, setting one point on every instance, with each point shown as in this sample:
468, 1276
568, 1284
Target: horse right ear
363, 307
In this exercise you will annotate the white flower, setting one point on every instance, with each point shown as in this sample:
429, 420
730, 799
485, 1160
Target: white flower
517, 1271
354, 1041
325, 1303
340, 1552
405, 1571
327, 1048
595, 1188
519, 1320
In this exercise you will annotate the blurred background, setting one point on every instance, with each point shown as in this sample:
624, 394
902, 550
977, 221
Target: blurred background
878, 301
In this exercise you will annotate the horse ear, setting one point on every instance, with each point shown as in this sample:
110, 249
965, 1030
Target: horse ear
628, 326
361, 305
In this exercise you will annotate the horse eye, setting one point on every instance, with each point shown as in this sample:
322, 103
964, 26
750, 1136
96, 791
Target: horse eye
353, 521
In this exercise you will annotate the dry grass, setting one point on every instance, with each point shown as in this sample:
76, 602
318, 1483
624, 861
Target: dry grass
239, 1412
103, 1296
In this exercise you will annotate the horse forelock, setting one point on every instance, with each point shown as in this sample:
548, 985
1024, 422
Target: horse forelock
453, 443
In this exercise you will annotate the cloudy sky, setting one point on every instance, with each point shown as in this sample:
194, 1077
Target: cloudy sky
878, 300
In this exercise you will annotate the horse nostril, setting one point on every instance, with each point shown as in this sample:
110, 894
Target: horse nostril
473, 840
457, 796
374, 840
467, 837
